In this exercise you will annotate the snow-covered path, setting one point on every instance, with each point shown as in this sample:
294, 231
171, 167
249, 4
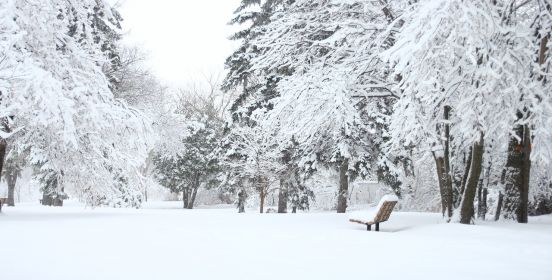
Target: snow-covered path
76, 243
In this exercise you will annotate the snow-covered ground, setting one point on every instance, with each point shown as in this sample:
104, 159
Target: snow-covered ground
164, 242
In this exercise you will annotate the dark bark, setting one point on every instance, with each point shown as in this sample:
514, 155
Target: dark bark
518, 169
192, 192
518, 164
262, 199
523, 215
499, 206
3, 144
466, 172
466, 208
3, 147
481, 201
185, 198
439, 166
445, 185
191, 201
282, 197
343, 187
442, 164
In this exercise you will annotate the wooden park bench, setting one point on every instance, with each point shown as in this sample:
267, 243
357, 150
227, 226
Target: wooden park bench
380, 214
3, 200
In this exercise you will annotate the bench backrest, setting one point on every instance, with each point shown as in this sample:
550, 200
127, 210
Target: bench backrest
385, 211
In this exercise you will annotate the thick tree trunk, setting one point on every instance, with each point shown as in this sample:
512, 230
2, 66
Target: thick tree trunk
445, 184
518, 164
442, 164
185, 198
282, 197
466, 207
343, 187
518, 169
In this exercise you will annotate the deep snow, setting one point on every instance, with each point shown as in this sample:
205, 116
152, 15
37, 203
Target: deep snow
164, 242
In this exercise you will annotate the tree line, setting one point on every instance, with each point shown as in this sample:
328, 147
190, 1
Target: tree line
386, 88
443, 102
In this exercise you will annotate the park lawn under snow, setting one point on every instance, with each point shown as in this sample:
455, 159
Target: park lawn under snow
164, 242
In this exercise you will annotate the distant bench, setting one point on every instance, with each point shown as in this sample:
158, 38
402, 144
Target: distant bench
379, 215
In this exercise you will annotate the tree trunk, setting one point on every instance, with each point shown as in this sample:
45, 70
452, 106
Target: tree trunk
4, 143
442, 164
523, 215
242, 196
343, 187
262, 198
11, 179
466, 208
193, 197
283, 197
447, 183
481, 201
499, 206
439, 166
466, 173
3, 146
185, 198
518, 169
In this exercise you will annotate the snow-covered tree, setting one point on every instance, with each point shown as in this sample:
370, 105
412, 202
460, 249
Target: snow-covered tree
253, 160
467, 78
196, 166
57, 97
255, 90
190, 161
332, 95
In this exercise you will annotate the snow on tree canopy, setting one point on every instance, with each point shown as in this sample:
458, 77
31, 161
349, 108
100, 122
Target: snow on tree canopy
53, 87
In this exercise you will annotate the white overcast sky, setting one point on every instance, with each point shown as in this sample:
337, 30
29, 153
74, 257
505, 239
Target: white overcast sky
186, 40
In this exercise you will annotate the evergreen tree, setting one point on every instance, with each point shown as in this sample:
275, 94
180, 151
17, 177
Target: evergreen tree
195, 166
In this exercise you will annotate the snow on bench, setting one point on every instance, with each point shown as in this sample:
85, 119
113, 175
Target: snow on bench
378, 215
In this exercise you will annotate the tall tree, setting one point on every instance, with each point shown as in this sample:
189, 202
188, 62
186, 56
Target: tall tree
326, 102
61, 102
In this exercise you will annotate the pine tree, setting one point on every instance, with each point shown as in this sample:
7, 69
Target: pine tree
194, 167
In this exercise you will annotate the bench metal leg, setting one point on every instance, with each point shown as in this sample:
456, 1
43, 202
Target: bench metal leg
377, 226
369, 227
